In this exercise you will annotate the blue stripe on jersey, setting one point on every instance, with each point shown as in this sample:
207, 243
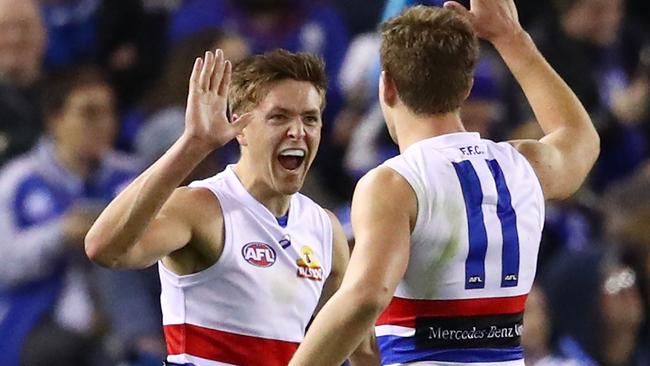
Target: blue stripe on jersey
395, 350
473, 194
508, 218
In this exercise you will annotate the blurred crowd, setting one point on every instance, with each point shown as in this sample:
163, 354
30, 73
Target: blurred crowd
93, 91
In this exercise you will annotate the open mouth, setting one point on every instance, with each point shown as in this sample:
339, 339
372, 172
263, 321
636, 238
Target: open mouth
291, 159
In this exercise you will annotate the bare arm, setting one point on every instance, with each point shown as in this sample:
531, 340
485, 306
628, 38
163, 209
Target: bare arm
565, 155
366, 354
130, 232
383, 210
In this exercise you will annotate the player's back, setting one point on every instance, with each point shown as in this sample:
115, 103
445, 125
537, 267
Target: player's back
473, 254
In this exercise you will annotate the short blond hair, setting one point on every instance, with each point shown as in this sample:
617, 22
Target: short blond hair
253, 76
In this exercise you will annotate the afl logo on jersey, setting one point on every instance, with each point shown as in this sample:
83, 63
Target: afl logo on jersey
258, 254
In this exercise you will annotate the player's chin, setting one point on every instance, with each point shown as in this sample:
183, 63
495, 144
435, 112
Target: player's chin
290, 181
290, 184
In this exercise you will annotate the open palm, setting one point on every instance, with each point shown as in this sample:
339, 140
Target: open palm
205, 117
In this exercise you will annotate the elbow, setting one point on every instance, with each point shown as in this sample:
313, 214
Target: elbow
594, 146
373, 302
591, 141
95, 251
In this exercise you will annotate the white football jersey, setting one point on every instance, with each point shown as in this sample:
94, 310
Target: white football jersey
473, 254
253, 305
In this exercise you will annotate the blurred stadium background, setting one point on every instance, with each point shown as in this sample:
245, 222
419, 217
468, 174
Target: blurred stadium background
92, 91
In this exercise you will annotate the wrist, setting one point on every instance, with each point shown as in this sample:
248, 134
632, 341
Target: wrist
514, 41
518, 51
194, 147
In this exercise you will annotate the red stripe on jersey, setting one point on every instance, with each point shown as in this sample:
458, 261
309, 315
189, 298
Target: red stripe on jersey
403, 312
227, 347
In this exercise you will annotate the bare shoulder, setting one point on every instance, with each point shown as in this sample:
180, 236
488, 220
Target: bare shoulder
200, 209
193, 204
201, 205
383, 191
533, 150
545, 161
385, 180
384, 184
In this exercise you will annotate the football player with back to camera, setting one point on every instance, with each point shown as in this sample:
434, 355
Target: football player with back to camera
448, 232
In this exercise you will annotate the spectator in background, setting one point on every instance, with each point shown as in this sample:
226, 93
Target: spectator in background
132, 41
536, 336
48, 199
627, 214
596, 309
126, 37
482, 109
72, 31
22, 43
598, 52
354, 146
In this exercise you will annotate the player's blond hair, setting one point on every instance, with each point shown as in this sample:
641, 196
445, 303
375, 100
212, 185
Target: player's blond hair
253, 76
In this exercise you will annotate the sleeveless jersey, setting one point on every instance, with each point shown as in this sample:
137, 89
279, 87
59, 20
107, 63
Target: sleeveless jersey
253, 305
473, 254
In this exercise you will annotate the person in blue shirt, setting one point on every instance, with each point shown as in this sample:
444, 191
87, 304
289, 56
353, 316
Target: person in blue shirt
48, 200
22, 44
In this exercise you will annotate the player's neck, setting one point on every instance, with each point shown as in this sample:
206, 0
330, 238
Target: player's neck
412, 128
276, 202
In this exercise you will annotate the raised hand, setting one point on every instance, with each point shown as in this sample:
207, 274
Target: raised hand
493, 20
205, 117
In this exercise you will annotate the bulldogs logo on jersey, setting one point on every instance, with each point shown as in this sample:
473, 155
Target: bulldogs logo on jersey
308, 265
258, 254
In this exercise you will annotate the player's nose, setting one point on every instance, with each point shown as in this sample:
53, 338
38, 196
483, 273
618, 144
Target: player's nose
296, 129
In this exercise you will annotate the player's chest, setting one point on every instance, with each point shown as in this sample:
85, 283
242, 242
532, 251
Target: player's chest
287, 255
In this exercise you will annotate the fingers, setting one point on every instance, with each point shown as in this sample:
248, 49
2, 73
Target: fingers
242, 121
458, 8
206, 71
196, 71
218, 72
225, 82
513, 10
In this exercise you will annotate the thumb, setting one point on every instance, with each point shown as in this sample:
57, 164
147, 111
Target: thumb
458, 9
242, 121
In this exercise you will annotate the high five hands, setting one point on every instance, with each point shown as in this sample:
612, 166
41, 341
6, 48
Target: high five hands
206, 120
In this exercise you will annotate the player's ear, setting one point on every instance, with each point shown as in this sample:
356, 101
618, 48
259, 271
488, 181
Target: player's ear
387, 89
241, 137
